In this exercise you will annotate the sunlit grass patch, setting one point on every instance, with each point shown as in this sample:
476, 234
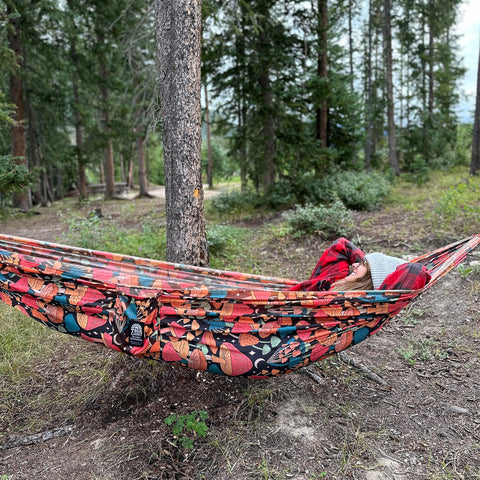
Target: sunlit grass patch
412, 197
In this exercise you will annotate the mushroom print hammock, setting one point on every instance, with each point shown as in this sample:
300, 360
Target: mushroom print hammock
224, 322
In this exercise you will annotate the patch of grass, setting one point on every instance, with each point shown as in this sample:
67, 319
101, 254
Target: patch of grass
458, 208
412, 316
101, 233
424, 350
409, 196
22, 341
354, 451
224, 243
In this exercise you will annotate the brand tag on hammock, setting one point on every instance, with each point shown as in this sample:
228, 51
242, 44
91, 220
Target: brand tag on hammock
136, 334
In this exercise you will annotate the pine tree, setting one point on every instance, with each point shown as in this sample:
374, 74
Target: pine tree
178, 25
392, 132
21, 200
475, 162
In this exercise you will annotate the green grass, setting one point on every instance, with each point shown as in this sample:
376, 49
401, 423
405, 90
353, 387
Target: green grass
410, 196
22, 341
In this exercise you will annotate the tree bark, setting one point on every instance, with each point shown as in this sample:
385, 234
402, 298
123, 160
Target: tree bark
21, 200
350, 42
369, 92
268, 124
109, 160
209, 140
392, 136
268, 128
322, 71
142, 171
178, 27
82, 178
475, 163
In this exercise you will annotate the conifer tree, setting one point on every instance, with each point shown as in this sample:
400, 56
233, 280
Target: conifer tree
475, 162
178, 24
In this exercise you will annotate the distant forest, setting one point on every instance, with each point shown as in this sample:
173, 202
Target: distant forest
291, 90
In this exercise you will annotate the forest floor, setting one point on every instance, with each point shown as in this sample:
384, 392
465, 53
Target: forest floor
106, 411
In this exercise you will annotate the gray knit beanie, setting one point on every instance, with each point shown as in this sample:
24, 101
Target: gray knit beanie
380, 266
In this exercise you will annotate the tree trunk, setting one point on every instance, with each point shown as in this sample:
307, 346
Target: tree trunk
268, 128
392, 136
350, 42
475, 163
322, 111
21, 200
178, 28
209, 140
109, 164
242, 109
142, 171
268, 124
82, 178
369, 92
109, 161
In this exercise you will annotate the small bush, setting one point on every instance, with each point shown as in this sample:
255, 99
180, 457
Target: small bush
359, 190
233, 202
335, 219
184, 427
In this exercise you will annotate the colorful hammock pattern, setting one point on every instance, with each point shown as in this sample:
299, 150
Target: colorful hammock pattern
223, 322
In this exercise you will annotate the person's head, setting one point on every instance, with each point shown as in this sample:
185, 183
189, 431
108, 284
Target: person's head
359, 278
369, 273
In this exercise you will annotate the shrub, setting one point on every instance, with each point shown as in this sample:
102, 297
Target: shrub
359, 190
334, 219
184, 427
235, 202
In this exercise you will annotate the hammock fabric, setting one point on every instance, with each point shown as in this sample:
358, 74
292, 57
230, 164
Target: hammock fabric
224, 322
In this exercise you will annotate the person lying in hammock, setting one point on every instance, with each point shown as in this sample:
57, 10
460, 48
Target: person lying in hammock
344, 267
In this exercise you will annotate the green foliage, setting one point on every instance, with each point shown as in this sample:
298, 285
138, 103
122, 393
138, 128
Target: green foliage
458, 208
417, 170
359, 190
464, 271
222, 239
13, 177
223, 166
18, 333
99, 233
334, 219
156, 172
234, 202
186, 426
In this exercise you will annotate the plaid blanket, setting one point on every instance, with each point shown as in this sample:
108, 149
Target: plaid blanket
335, 262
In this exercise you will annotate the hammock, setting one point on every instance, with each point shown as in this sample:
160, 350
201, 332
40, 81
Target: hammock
224, 322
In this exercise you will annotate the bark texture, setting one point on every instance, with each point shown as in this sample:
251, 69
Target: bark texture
475, 163
178, 26
322, 71
392, 134
21, 200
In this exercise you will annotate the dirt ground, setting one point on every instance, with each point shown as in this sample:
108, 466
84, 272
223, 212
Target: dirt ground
423, 424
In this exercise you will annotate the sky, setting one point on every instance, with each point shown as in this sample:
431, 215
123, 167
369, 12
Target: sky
469, 42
